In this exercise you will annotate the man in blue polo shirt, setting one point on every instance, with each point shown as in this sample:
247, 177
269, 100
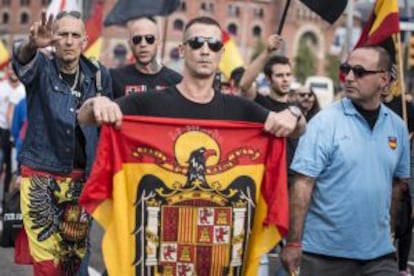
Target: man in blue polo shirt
349, 166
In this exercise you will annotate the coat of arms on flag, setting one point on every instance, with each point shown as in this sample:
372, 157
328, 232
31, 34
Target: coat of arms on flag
188, 197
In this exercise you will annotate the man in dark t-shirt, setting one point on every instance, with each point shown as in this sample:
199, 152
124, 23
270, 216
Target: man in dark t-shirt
278, 71
146, 73
220, 107
194, 96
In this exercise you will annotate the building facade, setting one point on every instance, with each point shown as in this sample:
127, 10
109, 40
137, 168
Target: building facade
248, 21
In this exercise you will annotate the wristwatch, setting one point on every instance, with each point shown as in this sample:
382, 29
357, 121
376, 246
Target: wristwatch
295, 111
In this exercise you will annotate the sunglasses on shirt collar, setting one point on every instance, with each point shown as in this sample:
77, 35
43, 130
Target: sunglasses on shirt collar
62, 14
197, 42
137, 39
358, 70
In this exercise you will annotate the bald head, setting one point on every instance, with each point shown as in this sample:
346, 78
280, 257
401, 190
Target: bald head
143, 40
68, 18
143, 26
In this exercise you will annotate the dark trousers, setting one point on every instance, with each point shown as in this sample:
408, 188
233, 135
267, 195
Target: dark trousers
6, 148
404, 230
317, 265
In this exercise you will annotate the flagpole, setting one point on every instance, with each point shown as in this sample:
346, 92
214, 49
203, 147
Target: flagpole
349, 27
401, 78
282, 21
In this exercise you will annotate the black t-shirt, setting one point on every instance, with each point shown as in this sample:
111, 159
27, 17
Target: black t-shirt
79, 158
395, 105
269, 103
170, 103
127, 80
371, 116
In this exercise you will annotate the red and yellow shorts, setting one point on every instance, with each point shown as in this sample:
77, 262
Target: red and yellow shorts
57, 226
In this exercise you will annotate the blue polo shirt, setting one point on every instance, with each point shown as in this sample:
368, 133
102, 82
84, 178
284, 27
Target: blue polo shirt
353, 167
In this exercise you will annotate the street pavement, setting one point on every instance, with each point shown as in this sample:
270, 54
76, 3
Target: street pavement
7, 266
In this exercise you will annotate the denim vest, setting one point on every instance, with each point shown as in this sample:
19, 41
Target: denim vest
51, 111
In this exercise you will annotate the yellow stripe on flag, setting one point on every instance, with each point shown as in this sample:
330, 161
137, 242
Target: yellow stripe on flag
4, 55
231, 58
94, 50
383, 8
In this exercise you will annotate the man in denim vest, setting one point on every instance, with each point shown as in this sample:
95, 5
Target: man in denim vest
57, 153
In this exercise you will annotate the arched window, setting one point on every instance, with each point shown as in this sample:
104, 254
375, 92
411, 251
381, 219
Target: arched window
24, 18
178, 25
5, 18
257, 31
5, 3
232, 29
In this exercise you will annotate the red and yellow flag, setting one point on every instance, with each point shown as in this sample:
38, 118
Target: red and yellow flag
186, 197
94, 31
4, 56
383, 28
231, 58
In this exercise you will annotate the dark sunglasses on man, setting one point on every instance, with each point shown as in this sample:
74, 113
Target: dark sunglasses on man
137, 39
197, 42
74, 14
305, 94
358, 70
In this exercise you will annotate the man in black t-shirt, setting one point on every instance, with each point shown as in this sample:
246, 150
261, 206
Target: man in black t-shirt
278, 71
194, 96
146, 73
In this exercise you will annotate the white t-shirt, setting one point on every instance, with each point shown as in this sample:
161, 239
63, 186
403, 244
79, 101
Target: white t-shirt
8, 94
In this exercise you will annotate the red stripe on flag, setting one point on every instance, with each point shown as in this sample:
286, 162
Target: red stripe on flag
225, 36
94, 24
4, 64
390, 25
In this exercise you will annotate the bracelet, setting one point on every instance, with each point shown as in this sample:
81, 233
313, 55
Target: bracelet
294, 244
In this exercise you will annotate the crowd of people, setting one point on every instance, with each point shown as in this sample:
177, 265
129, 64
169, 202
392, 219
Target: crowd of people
349, 163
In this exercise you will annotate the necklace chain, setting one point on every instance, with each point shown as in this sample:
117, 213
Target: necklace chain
75, 83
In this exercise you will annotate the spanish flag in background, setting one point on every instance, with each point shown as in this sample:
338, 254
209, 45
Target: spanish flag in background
4, 55
383, 28
188, 197
94, 31
231, 58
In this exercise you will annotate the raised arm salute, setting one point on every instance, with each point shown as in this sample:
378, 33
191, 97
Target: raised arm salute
57, 153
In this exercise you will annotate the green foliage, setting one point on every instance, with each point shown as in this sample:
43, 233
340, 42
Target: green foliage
332, 68
304, 62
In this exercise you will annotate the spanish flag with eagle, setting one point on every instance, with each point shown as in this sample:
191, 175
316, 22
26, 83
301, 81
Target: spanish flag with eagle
187, 197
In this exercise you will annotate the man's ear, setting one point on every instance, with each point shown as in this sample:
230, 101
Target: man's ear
84, 43
385, 81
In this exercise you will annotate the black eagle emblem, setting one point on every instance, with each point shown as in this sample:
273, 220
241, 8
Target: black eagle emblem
45, 210
197, 166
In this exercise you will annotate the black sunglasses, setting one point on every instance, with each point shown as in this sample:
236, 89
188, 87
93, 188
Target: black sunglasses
305, 95
197, 42
137, 39
62, 14
358, 70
